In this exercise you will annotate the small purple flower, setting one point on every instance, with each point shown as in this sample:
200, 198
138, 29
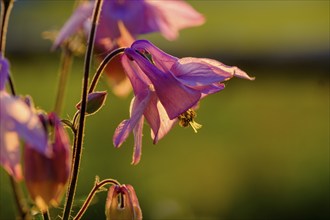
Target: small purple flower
167, 89
122, 204
46, 177
121, 21
18, 120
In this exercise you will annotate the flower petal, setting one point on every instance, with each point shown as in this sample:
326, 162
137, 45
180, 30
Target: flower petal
61, 148
18, 117
139, 104
211, 89
151, 113
162, 60
4, 72
138, 79
166, 124
128, 12
200, 71
10, 153
175, 97
46, 177
137, 131
241, 74
76, 21
169, 17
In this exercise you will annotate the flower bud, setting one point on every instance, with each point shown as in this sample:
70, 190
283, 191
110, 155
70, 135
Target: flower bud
46, 177
95, 102
122, 204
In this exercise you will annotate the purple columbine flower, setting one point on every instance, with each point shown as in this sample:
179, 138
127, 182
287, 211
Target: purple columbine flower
121, 21
46, 177
167, 89
145, 104
18, 120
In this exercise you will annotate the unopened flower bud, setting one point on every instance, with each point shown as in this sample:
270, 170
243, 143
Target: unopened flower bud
95, 102
122, 204
46, 176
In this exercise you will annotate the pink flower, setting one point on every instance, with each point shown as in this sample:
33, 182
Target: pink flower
121, 21
46, 177
167, 89
17, 121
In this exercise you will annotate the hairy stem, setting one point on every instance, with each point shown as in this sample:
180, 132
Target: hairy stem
91, 195
65, 67
18, 196
80, 134
101, 67
6, 7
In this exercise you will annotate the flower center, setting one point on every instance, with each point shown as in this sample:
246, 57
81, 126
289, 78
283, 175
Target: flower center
187, 118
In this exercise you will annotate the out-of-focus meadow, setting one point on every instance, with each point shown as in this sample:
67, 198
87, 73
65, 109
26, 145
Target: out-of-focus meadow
263, 151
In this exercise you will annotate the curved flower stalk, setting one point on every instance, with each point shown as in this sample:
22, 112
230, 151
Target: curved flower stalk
122, 21
167, 89
46, 177
17, 121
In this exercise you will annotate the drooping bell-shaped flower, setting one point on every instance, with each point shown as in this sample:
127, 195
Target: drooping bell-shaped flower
17, 121
122, 204
167, 89
121, 21
144, 105
180, 83
46, 177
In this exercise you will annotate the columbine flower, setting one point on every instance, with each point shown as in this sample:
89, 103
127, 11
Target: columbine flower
145, 104
122, 204
121, 21
17, 121
46, 177
167, 89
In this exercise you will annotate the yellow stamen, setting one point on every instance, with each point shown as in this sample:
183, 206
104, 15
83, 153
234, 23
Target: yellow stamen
187, 118
195, 126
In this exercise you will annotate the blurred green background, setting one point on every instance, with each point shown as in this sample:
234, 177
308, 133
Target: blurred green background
263, 151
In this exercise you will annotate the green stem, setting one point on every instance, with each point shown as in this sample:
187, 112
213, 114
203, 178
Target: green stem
6, 7
66, 63
91, 195
79, 137
101, 67
18, 196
